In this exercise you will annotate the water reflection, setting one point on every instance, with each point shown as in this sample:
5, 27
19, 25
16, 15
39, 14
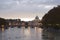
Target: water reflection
2, 29
50, 35
29, 34
22, 34
0, 34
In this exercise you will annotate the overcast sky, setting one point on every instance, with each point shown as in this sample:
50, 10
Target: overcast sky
26, 8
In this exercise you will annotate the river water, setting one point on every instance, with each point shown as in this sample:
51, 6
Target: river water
28, 34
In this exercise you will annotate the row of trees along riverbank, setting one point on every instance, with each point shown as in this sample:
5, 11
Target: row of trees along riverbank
52, 18
3, 23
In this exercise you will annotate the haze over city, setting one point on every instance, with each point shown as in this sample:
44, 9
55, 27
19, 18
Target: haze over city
26, 9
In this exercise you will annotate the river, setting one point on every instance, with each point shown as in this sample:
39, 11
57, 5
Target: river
28, 34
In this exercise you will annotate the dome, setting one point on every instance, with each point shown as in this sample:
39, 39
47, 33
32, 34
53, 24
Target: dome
36, 17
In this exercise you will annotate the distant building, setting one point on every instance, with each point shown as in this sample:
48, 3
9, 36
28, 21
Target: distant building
36, 19
36, 22
14, 22
17, 22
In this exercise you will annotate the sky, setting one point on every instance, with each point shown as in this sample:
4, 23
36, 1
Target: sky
26, 9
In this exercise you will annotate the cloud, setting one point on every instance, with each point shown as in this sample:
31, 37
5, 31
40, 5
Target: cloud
22, 8
28, 5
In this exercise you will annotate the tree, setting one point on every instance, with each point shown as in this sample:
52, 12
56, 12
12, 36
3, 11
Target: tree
2, 22
52, 17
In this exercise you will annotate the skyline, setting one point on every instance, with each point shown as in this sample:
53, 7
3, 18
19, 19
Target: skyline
26, 9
